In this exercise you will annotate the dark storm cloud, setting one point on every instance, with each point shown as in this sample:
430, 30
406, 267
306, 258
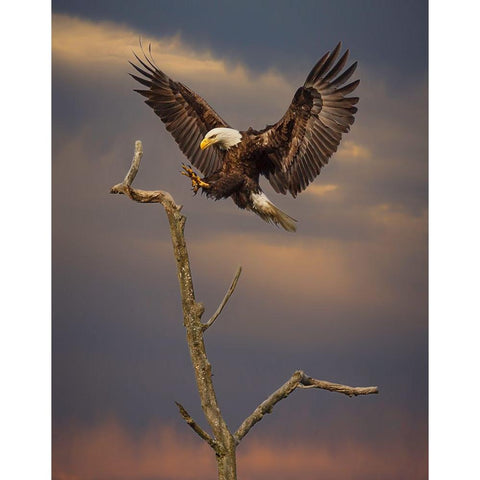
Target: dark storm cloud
344, 299
289, 35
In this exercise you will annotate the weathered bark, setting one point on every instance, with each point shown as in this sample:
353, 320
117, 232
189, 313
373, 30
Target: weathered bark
297, 380
224, 443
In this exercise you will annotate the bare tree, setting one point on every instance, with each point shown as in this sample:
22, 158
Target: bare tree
223, 441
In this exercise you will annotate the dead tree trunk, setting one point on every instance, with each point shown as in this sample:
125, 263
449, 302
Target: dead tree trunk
223, 442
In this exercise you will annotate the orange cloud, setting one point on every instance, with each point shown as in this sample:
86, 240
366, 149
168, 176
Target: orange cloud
109, 451
311, 461
321, 190
350, 150
289, 270
94, 47
84, 43
301, 269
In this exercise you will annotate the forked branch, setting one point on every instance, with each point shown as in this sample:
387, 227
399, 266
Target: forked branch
142, 196
297, 380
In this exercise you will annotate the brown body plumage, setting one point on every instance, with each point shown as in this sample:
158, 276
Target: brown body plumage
290, 153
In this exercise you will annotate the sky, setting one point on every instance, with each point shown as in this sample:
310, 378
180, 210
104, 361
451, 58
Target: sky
344, 299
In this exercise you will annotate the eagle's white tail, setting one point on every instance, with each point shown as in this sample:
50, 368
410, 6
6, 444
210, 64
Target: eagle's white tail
266, 210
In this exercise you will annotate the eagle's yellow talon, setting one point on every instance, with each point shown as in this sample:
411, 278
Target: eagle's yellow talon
202, 184
197, 182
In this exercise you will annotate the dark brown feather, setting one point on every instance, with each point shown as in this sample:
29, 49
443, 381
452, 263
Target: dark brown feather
311, 129
186, 115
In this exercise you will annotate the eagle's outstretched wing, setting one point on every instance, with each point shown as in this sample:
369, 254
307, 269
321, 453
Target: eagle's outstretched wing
187, 116
311, 129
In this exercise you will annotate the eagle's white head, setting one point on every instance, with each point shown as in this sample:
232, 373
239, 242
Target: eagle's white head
224, 138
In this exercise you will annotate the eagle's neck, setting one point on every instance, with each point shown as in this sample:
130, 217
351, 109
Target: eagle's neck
226, 138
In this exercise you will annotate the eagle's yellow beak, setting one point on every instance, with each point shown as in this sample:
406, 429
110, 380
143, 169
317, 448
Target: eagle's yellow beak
206, 142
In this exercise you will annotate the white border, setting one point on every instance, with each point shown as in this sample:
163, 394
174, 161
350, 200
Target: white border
25, 352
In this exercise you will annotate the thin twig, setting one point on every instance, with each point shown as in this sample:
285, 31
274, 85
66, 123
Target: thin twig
196, 427
225, 299
297, 380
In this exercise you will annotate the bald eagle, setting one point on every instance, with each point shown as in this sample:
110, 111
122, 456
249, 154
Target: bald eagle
290, 153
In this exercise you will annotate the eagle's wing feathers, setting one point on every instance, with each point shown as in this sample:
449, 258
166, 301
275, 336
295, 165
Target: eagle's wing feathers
186, 115
311, 129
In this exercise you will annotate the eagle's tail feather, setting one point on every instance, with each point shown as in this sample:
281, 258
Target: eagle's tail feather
266, 210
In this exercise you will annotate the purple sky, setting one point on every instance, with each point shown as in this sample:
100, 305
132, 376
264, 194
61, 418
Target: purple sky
344, 299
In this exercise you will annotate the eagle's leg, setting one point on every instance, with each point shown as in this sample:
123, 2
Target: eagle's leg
197, 182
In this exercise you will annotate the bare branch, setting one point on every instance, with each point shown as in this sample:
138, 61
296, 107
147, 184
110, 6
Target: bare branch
297, 380
267, 405
142, 196
196, 428
225, 299
133, 170
309, 382
137, 156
